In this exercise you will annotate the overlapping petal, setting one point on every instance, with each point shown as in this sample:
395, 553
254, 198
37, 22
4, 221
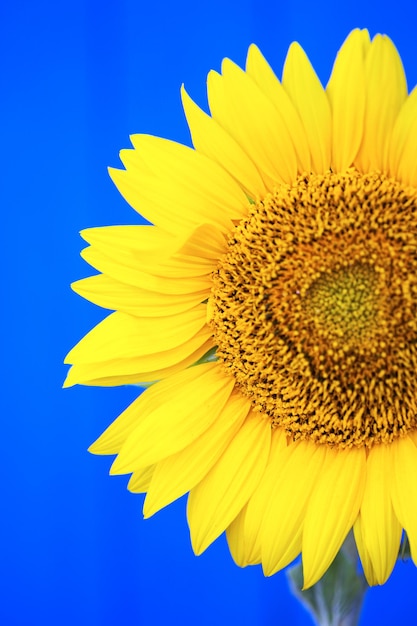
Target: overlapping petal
333, 508
187, 279
180, 472
168, 417
125, 336
380, 529
261, 72
297, 470
402, 154
211, 139
243, 535
363, 552
403, 457
177, 188
139, 481
137, 349
308, 96
112, 294
243, 110
386, 91
142, 369
346, 91
220, 496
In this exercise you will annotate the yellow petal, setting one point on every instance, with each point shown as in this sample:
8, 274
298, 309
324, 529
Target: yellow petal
177, 188
253, 122
112, 439
211, 139
149, 248
157, 252
381, 530
112, 294
142, 369
220, 496
307, 94
121, 336
139, 481
403, 464
173, 261
413, 437
180, 472
223, 113
402, 157
138, 192
332, 510
346, 92
181, 280
386, 90
205, 242
235, 535
246, 550
365, 558
297, 469
169, 160
258, 68
137, 243
181, 408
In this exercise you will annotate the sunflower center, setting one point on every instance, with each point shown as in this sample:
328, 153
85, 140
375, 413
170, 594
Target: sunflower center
344, 302
313, 308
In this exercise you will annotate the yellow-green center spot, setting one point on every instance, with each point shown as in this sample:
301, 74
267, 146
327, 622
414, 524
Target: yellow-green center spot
344, 302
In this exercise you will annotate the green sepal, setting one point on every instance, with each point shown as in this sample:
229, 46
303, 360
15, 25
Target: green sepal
145, 385
208, 357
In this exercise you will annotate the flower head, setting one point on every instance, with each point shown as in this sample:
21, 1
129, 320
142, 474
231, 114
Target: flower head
274, 303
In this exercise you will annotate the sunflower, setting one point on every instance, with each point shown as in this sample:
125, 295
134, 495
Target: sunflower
270, 308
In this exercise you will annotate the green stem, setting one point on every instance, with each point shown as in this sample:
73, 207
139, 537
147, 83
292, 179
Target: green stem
336, 600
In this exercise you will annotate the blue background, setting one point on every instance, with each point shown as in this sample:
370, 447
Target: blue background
77, 78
